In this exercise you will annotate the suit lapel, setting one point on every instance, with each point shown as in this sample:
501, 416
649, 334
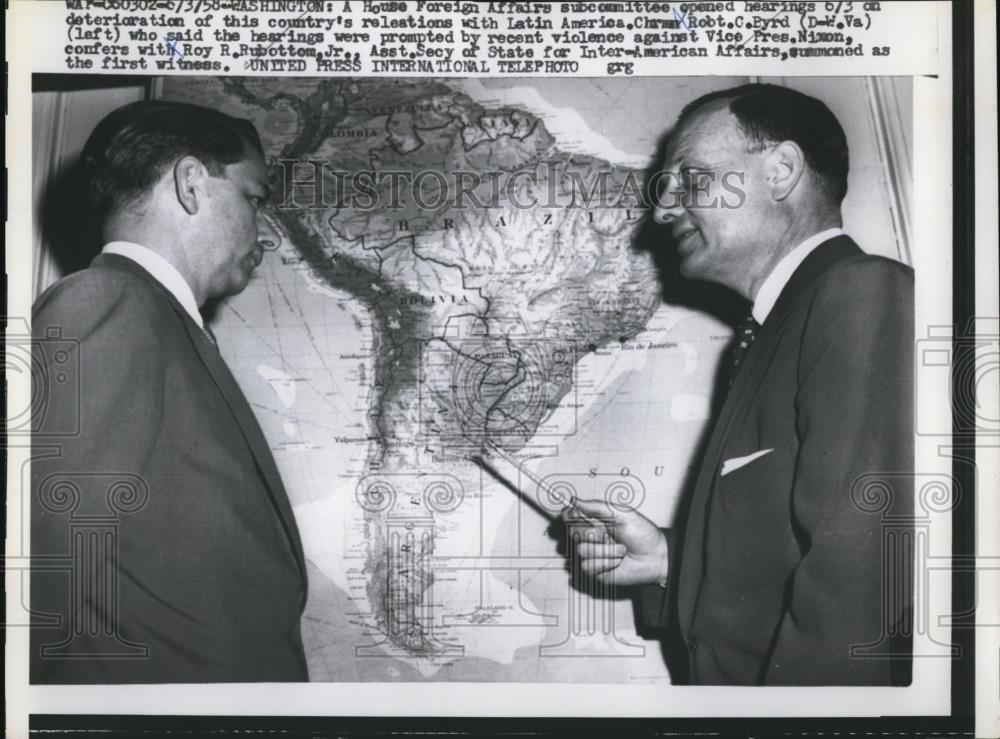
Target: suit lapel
235, 399
740, 395
759, 356
252, 432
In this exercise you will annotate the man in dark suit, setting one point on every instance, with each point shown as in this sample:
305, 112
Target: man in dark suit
163, 543
784, 572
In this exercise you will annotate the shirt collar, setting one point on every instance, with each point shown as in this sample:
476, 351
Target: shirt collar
162, 271
775, 282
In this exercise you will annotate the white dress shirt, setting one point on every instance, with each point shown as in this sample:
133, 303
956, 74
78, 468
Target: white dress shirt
775, 282
162, 271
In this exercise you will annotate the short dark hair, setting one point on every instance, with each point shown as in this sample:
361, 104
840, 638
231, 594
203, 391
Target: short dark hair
769, 114
129, 150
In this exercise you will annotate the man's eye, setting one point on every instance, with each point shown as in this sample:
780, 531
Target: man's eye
697, 177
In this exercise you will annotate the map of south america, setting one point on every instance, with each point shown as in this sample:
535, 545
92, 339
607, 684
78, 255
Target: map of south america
485, 265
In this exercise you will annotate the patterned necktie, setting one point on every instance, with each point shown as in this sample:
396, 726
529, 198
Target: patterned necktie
745, 335
211, 336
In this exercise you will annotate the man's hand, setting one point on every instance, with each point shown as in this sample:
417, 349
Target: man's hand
616, 544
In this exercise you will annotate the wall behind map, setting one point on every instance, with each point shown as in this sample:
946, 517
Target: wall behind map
64, 110
876, 114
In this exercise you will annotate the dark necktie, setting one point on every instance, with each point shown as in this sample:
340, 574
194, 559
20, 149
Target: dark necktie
211, 336
745, 335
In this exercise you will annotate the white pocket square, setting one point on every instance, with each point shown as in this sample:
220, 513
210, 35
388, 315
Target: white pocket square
731, 465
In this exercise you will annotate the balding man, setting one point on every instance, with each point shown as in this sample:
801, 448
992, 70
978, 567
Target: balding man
782, 571
197, 574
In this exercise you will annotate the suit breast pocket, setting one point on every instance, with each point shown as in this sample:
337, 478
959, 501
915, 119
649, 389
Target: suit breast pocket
762, 473
753, 498
735, 463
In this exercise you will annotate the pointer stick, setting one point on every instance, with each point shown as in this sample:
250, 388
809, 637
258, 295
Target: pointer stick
528, 499
558, 497
554, 495
545, 487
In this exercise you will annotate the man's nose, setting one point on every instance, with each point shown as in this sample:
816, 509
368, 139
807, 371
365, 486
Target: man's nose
669, 205
267, 236
668, 188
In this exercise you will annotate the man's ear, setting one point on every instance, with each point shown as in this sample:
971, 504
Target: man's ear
189, 177
785, 166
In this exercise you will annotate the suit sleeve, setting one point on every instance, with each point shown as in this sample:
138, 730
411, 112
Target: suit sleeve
97, 433
853, 479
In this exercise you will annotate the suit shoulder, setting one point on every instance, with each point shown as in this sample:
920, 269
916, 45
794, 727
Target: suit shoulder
865, 280
92, 295
863, 295
870, 269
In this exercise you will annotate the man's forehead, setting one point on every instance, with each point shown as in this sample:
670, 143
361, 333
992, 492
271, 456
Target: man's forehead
251, 167
705, 135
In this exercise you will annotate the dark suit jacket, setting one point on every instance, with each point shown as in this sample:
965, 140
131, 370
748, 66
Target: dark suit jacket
161, 535
790, 561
